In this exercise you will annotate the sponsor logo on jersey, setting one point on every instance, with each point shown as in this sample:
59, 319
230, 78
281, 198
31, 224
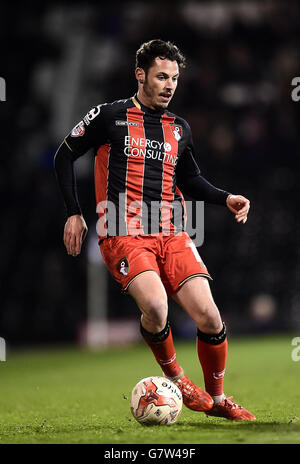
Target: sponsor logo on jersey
138, 147
177, 131
78, 130
126, 123
123, 266
167, 146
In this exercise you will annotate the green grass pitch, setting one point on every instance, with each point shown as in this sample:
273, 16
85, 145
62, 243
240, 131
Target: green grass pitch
69, 396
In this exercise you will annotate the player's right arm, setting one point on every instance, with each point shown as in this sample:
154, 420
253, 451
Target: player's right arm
75, 228
83, 137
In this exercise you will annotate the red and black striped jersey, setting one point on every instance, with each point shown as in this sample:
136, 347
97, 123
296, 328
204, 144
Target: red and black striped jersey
140, 154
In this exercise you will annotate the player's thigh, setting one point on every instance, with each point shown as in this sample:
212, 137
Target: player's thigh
150, 296
182, 262
195, 297
127, 256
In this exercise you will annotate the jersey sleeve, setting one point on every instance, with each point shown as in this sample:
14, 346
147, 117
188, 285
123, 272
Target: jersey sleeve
190, 181
65, 173
187, 167
90, 132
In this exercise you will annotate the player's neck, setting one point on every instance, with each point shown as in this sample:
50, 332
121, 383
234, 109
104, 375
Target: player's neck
146, 102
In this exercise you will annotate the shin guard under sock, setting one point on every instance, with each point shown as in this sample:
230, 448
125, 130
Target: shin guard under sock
163, 349
212, 353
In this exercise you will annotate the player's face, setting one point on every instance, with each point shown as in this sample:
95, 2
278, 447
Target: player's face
160, 84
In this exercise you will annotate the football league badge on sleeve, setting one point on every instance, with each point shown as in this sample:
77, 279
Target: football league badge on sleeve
78, 130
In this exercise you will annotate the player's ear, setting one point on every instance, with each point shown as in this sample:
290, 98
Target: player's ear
140, 75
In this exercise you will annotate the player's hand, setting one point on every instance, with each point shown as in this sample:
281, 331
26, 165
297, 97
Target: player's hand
74, 233
240, 206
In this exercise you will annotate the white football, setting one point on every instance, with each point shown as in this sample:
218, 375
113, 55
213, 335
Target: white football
156, 401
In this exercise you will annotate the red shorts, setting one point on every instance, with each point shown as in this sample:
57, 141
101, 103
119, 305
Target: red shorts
174, 258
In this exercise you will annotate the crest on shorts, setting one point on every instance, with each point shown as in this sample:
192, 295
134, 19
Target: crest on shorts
123, 266
78, 130
177, 131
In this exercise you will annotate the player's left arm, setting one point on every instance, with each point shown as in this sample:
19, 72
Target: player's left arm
239, 205
190, 181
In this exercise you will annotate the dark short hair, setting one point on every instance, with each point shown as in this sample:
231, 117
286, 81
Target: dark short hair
148, 51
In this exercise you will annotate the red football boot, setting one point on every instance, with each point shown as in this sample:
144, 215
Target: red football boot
230, 411
193, 397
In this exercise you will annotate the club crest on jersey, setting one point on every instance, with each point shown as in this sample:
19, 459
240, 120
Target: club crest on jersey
78, 130
177, 131
123, 266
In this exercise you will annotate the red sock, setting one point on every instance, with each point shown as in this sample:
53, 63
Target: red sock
163, 349
213, 361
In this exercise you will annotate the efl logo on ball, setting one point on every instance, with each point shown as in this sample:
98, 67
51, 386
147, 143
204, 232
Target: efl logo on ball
156, 401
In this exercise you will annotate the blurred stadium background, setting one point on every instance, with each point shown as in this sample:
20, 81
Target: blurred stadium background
58, 60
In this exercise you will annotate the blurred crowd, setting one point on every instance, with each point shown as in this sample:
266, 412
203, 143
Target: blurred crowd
59, 60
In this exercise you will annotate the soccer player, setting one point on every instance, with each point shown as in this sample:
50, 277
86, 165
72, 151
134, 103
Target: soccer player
144, 163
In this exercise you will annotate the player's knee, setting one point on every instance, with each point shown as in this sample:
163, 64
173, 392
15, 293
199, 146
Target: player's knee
155, 311
208, 319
